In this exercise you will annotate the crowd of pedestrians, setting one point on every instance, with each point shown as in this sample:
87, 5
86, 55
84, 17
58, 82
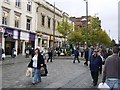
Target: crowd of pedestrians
95, 58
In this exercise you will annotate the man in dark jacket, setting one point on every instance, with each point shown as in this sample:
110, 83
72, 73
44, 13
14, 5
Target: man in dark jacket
95, 63
76, 55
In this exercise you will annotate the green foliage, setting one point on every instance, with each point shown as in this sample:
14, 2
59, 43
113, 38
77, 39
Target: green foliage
65, 28
95, 34
74, 37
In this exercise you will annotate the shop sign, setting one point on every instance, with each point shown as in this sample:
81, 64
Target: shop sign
51, 38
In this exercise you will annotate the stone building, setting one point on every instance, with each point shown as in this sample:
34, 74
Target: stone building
17, 25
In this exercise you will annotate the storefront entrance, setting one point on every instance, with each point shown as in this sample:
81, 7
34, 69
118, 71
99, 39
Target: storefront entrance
9, 45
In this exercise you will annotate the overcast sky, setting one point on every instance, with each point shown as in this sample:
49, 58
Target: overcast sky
107, 10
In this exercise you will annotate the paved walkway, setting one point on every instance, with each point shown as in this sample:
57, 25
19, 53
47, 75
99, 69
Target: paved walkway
61, 74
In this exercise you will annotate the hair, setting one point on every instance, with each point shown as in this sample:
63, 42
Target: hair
38, 50
115, 49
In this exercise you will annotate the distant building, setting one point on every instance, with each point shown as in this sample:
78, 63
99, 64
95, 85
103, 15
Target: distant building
81, 21
119, 22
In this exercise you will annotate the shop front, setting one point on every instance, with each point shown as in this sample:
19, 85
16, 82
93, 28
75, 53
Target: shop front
9, 40
45, 41
18, 39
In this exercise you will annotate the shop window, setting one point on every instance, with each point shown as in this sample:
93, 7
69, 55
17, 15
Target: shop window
5, 18
29, 5
43, 20
28, 25
48, 22
17, 21
18, 3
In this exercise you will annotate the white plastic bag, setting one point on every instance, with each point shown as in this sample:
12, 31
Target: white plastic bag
30, 72
103, 86
3, 55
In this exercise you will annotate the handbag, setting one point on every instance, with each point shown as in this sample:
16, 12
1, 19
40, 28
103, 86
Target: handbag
42, 71
30, 72
102, 86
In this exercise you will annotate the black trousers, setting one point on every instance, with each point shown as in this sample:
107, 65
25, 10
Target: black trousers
94, 75
100, 69
49, 57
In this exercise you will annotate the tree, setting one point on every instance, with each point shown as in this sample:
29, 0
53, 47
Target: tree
65, 28
74, 37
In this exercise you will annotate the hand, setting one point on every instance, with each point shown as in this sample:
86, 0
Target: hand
41, 64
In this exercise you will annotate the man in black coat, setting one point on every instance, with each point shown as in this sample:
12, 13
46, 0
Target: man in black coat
95, 63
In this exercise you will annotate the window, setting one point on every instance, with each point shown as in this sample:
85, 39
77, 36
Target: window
5, 18
17, 21
29, 5
28, 24
43, 20
17, 3
48, 22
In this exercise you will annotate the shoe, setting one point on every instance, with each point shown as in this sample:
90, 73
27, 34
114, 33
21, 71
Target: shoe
94, 84
38, 81
33, 83
73, 62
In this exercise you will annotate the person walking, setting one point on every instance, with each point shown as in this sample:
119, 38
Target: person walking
3, 54
100, 53
76, 55
49, 55
106, 54
86, 56
111, 72
91, 51
82, 51
95, 63
14, 53
36, 63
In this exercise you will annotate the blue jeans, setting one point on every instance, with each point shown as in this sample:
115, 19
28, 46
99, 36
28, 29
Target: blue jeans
114, 84
37, 76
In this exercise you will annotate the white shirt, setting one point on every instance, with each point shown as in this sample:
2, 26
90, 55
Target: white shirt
35, 61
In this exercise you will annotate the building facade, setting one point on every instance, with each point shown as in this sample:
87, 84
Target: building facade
17, 25
46, 14
29, 24
119, 22
81, 21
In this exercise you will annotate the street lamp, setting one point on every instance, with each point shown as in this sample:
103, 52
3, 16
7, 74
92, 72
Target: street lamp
86, 22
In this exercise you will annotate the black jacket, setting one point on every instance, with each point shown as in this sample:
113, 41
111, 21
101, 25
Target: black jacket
95, 63
39, 62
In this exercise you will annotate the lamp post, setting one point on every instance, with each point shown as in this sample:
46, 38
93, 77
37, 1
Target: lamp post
86, 22
53, 31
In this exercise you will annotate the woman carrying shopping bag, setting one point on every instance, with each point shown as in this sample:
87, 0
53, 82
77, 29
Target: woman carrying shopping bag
36, 63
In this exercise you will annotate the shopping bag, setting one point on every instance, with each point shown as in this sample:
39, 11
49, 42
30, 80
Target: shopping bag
42, 71
103, 86
3, 55
30, 72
